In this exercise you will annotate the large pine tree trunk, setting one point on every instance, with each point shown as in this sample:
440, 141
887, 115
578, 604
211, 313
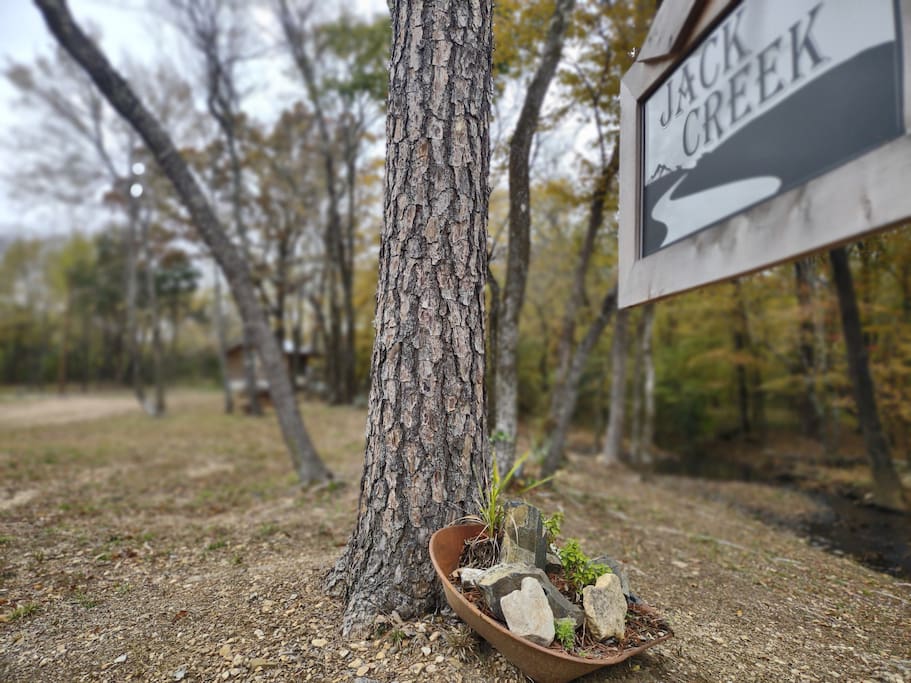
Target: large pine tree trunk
427, 448
119, 94
520, 235
613, 440
887, 488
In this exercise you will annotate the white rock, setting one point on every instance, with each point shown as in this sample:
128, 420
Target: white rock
470, 576
528, 613
605, 608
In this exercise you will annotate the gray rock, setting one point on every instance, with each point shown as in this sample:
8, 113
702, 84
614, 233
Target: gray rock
528, 614
470, 575
605, 608
503, 579
523, 536
617, 568
552, 563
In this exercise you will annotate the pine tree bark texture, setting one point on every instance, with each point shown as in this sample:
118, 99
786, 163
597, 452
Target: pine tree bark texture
887, 487
507, 381
426, 450
118, 93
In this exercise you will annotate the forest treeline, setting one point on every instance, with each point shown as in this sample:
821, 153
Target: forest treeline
123, 289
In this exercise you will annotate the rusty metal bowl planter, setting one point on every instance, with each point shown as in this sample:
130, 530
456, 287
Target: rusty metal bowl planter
542, 664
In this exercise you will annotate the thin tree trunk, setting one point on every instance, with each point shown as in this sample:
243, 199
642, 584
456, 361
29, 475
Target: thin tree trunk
119, 94
427, 450
887, 488
811, 414
64, 342
569, 391
520, 235
132, 287
158, 408
577, 293
638, 389
340, 261
613, 439
221, 339
647, 440
493, 324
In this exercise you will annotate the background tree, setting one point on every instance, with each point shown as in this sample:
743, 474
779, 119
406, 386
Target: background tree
307, 463
519, 249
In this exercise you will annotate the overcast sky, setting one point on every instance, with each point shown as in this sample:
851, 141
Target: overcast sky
129, 29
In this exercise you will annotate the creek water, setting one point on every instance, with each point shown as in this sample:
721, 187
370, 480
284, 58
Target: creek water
875, 537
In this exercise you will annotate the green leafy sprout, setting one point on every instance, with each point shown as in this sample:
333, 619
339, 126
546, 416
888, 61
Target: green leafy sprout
578, 569
565, 630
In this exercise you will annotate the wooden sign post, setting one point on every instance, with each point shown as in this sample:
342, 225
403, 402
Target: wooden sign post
757, 131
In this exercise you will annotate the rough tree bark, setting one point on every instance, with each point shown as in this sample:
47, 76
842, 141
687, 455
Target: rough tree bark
117, 91
613, 439
506, 378
569, 390
887, 487
427, 447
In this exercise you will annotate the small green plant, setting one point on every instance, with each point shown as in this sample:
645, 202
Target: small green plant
552, 526
22, 611
490, 498
565, 630
85, 600
578, 569
397, 636
217, 545
269, 529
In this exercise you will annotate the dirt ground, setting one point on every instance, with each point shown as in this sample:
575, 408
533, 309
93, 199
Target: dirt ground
181, 549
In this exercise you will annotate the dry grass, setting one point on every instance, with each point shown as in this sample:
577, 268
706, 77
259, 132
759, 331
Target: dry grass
182, 549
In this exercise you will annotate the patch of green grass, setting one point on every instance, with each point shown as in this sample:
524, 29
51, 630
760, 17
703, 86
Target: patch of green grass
269, 529
23, 611
397, 636
4, 540
217, 545
85, 600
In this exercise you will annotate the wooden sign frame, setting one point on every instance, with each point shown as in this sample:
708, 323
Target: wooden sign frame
867, 194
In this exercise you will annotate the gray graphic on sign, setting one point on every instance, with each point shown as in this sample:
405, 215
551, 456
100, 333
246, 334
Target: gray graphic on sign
780, 92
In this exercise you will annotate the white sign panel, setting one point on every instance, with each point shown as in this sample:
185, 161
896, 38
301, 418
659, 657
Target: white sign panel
779, 92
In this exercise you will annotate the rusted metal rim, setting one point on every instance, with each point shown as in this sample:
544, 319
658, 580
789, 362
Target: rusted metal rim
541, 664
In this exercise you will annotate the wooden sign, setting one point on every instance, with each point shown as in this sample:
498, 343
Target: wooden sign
777, 128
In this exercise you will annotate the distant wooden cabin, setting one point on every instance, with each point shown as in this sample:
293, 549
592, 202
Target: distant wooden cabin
235, 358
